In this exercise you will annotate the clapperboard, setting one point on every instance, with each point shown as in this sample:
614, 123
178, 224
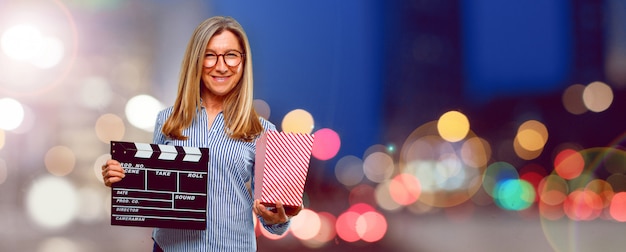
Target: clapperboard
164, 186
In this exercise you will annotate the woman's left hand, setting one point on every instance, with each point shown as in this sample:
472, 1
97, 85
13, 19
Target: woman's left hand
270, 217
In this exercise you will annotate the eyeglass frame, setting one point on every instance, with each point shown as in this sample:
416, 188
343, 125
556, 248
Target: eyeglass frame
243, 56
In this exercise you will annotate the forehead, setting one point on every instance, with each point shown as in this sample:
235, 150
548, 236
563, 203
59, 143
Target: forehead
224, 41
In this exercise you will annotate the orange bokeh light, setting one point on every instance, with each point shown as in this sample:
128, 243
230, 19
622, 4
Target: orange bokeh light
405, 189
583, 205
569, 164
618, 207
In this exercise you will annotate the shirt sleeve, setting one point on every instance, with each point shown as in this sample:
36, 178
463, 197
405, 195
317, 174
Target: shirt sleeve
158, 137
277, 229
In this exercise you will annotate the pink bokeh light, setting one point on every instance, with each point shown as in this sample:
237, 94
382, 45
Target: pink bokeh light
326, 144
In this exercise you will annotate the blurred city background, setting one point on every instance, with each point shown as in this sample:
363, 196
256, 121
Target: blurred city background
441, 125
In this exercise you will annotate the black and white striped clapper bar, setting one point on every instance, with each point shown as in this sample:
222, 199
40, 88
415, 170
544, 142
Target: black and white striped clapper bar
164, 186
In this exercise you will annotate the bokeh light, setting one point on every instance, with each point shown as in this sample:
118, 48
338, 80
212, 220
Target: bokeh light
598, 96
60, 160
371, 226
523, 153
298, 121
453, 126
569, 164
497, 173
306, 225
603, 189
28, 121
476, 152
361, 222
383, 197
617, 208
405, 189
532, 135
262, 108
326, 232
110, 127
530, 139
533, 174
553, 190
346, 226
11, 114
378, 166
326, 144
50, 54
22, 42
514, 194
420, 145
573, 99
51, 202
142, 110
40, 42
582, 205
25, 42
349, 170
97, 167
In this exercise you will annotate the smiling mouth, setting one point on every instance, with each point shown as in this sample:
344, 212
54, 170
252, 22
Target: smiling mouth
220, 78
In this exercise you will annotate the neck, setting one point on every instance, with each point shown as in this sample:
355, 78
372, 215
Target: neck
212, 102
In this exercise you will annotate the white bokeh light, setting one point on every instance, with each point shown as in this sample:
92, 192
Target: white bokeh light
306, 225
51, 202
50, 54
142, 110
11, 114
21, 42
26, 43
28, 121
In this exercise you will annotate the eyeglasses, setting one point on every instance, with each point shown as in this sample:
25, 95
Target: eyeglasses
231, 58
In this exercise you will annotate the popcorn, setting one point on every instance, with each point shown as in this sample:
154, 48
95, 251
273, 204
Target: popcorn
282, 164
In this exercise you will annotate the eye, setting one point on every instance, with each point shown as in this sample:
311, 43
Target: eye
210, 55
232, 55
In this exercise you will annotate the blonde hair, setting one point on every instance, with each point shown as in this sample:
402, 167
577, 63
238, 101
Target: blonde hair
240, 118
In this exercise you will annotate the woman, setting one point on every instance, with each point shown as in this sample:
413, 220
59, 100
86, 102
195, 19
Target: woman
213, 109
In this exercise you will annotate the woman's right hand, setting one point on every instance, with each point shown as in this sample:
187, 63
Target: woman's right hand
112, 172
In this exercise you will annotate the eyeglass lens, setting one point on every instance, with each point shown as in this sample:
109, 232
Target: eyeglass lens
231, 58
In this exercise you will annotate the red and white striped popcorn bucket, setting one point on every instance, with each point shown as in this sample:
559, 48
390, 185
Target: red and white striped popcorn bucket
282, 164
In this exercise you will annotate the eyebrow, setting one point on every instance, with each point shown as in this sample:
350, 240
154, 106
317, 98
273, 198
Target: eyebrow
228, 50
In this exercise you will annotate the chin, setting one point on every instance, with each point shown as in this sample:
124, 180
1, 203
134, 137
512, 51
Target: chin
221, 92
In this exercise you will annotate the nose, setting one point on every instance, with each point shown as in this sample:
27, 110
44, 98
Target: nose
220, 65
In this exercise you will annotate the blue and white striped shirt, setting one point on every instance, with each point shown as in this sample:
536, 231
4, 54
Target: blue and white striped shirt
230, 223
